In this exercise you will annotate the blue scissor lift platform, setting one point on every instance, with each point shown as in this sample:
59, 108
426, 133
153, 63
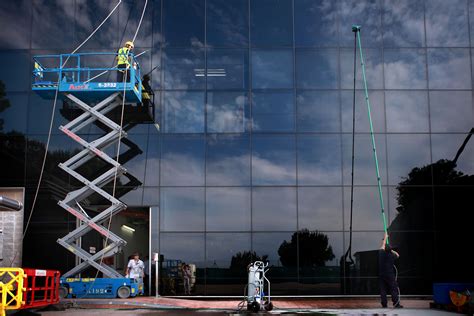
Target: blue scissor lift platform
90, 97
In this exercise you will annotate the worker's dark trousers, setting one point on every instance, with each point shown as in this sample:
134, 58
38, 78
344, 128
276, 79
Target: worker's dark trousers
388, 284
121, 73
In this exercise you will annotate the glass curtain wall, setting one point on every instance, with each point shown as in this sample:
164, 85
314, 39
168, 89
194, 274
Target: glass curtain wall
253, 157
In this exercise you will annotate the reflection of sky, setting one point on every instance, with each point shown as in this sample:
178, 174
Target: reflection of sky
268, 244
14, 14
319, 159
177, 33
273, 112
407, 111
362, 122
226, 111
273, 160
15, 72
274, 209
446, 23
221, 247
271, 22
452, 64
406, 152
227, 23
451, 111
228, 160
404, 24
317, 69
374, 69
183, 112
319, 111
187, 247
182, 209
316, 23
320, 208
365, 13
228, 209
272, 69
405, 69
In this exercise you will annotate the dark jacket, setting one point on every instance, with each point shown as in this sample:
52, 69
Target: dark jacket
386, 262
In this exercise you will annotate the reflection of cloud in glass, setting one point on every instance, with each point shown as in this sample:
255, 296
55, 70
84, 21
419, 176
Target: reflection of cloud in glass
403, 23
273, 111
316, 23
317, 69
228, 209
14, 14
227, 23
272, 69
406, 152
451, 111
447, 23
319, 160
407, 111
180, 66
405, 69
183, 112
182, 209
319, 111
373, 69
320, 208
449, 68
226, 112
220, 247
362, 122
274, 209
364, 13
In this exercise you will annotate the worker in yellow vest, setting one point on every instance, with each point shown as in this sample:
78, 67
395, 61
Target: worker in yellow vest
123, 61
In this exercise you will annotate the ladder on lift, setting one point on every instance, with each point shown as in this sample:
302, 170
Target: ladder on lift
104, 97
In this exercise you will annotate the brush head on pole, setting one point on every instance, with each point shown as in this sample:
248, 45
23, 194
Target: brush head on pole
355, 28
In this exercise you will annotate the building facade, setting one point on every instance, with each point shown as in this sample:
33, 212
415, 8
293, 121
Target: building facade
253, 156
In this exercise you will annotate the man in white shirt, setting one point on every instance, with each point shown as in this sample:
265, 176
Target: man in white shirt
135, 270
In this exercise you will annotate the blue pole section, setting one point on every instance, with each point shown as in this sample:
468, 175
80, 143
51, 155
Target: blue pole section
356, 29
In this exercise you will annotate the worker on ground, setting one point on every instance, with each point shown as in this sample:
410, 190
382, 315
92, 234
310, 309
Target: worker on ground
136, 270
388, 279
187, 274
123, 61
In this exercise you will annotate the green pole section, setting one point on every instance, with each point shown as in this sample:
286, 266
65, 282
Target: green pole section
356, 29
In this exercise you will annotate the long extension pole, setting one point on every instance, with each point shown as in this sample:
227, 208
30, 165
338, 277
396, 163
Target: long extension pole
356, 29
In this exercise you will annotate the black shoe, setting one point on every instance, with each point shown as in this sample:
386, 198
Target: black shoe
384, 306
398, 306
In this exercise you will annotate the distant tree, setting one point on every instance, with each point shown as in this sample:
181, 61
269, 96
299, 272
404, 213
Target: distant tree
241, 260
314, 249
4, 102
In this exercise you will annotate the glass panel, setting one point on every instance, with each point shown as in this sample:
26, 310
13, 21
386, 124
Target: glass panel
13, 155
227, 23
316, 23
183, 112
227, 69
319, 111
405, 153
187, 247
446, 146
407, 111
405, 69
367, 14
449, 69
131, 13
227, 112
373, 69
152, 174
316, 69
228, 209
319, 159
273, 160
451, 111
182, 160
89, 14
411, 208
131, 195
177, 33
319, 254
274, 209
15, 75
13, 112
273, 112
52, 27
182, 209
316, 211
183, 68
271, 23
362, 121
272, 69
228, 160
39, 116
366, 213
268, 244
151, 196
365, 247
222, 248
364, 165
131, 150
14, 14
446, 23
404, 23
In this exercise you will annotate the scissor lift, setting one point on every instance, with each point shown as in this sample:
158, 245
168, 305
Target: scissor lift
94, 101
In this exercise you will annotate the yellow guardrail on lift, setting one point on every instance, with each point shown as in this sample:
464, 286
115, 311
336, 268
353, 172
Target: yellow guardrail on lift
11, 289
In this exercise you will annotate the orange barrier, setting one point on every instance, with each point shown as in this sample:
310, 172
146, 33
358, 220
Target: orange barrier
41, 288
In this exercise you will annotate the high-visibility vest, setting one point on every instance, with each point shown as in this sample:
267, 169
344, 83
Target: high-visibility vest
122, 57
145, 94
38, 70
